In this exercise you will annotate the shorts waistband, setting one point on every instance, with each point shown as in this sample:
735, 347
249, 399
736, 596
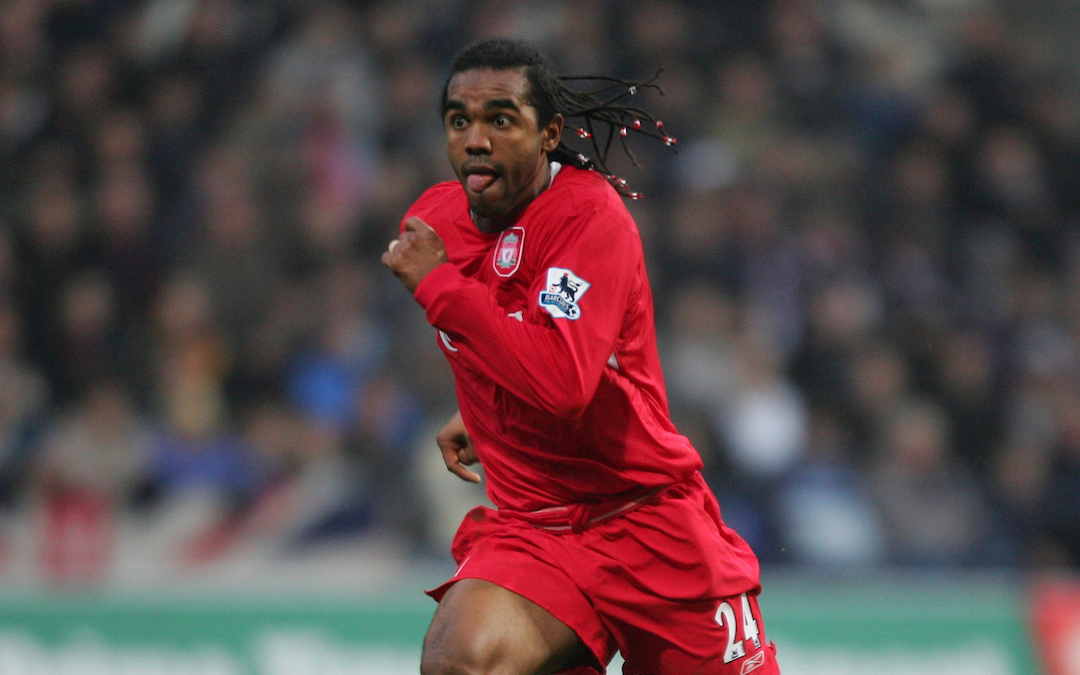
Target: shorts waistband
580, 517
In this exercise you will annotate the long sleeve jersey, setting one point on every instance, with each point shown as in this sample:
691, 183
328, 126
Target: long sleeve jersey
549, 329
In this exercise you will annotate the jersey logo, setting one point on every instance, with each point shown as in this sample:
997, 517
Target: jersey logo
752, 663
508, 251
562, 293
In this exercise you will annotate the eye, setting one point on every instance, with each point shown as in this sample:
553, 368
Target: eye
501, 121
458, 122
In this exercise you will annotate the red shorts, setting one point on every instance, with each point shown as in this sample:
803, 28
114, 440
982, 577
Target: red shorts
666, 582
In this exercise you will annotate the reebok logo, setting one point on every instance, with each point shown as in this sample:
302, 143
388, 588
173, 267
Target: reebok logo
753, 663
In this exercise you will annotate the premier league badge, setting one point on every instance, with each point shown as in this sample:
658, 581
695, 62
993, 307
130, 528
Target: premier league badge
508, 251
562, 293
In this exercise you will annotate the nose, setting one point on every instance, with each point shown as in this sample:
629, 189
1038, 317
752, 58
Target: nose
477, 141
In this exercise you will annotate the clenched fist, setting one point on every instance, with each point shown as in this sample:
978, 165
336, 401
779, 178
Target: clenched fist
415, 253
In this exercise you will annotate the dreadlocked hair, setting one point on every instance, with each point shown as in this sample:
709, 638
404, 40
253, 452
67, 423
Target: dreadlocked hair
603, 108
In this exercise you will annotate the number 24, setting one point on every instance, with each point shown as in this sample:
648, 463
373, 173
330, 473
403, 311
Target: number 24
725, 616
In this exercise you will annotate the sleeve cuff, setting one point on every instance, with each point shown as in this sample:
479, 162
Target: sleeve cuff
433, 284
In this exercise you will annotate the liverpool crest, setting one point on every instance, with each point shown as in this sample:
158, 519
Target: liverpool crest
508, 251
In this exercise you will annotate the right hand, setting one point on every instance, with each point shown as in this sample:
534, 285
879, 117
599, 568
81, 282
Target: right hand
457, 449
415, 252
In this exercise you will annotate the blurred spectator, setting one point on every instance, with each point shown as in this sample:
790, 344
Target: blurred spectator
1060, 501
807, 60
878, 379
124, 236
190, 361
968, 377
23, 39
84, 90
100, 445
696, 245
746, 118
89, 466
52, 246
700, 354
843, 316
88, 341
207, 460
24, 398
932, 510
384, 439
348, 343
825, 510
764, 422
240, 263
1011, 183
314, 495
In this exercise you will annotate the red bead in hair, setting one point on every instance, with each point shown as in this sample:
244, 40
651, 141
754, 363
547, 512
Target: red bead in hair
637, 124
622, 131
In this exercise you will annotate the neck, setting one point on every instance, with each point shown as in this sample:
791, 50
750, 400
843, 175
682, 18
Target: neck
498, 223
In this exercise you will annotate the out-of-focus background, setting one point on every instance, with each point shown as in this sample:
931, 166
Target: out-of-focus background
217, 409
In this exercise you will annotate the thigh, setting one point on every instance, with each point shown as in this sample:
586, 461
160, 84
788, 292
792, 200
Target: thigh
516, 557
485, 628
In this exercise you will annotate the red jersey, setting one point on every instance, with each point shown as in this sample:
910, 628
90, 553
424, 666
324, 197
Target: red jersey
549, 329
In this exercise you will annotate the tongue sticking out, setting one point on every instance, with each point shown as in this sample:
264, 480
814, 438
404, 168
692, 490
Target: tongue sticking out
478, 182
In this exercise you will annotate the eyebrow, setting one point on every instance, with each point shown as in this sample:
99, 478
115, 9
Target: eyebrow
498, 103
493, 104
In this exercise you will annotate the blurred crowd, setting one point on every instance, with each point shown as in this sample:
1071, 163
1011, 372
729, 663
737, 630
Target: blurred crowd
865, 256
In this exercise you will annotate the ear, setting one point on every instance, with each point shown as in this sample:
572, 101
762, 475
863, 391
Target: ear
551, 134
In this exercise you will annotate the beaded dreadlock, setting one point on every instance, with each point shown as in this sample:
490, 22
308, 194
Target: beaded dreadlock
602, 107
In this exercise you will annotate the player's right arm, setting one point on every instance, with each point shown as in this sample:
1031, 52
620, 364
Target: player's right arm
552, 363
416, 251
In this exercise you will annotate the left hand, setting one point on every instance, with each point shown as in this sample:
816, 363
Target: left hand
418, 250
457, 449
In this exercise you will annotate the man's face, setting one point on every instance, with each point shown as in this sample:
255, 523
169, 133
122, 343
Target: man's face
495, 143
